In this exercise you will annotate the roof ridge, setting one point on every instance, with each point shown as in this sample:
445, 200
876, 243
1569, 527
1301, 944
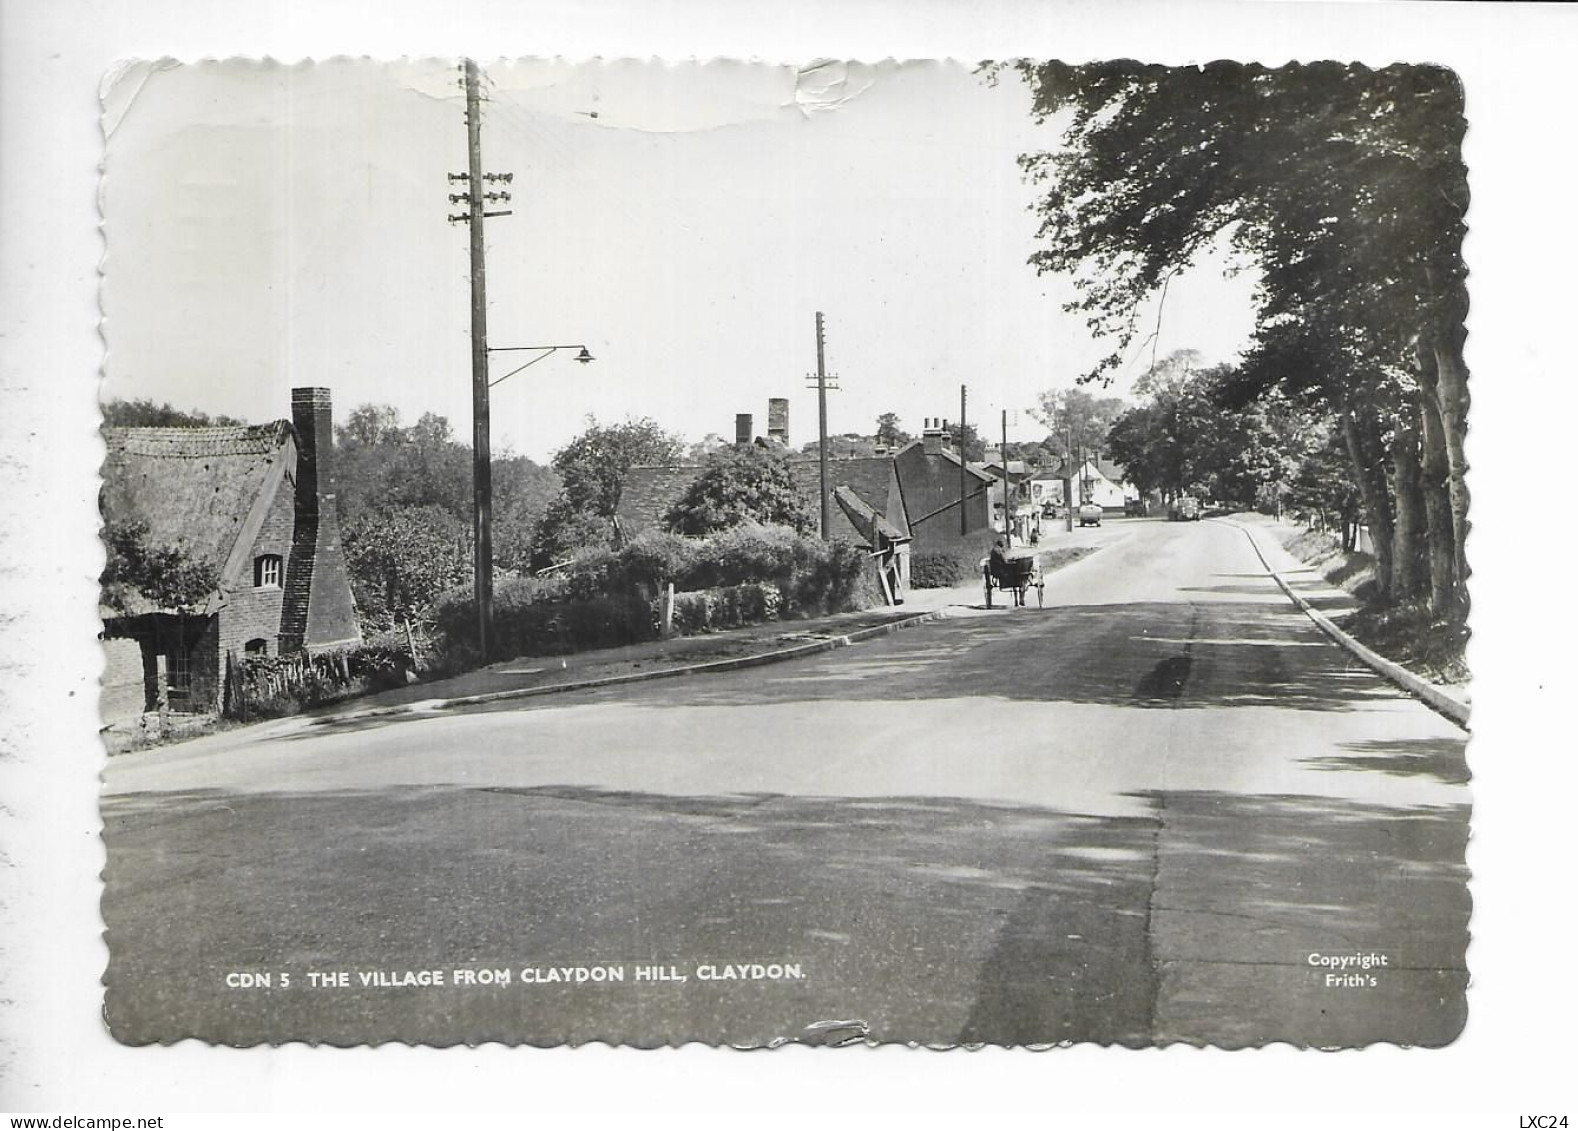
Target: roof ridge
193, 443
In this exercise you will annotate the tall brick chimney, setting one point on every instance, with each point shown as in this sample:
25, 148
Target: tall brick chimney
744, 424
778, 420
319, 609
932, 436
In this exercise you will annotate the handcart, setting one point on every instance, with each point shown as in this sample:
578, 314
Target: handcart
1016, 576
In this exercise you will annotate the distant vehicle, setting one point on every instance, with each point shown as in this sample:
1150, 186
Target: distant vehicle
1089, 514
1185, 508
1134, 508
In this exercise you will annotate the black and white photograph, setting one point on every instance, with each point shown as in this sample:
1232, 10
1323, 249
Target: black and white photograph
941, 566
900, 552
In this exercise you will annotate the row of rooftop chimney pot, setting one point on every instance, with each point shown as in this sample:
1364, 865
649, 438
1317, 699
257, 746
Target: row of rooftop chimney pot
933, 435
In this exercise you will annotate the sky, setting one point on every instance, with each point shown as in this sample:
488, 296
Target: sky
270, 226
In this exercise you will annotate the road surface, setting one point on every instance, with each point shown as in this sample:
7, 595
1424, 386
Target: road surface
1163, 808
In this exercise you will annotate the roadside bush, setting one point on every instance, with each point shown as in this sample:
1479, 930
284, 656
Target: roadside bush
455, 612
941, 569
709, 610
607, 598
831, 578
656, 557
743, 554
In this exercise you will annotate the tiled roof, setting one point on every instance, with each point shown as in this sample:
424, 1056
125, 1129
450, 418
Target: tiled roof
866, 477
865, 520
649, 492
1113, 471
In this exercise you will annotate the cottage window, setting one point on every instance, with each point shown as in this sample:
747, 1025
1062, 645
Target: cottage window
257, 646
178, 677
266, 571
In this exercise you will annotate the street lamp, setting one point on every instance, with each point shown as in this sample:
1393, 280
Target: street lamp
482, 476
583, 357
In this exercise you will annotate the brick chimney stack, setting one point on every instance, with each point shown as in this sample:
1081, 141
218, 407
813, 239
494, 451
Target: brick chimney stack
319, 609
744, 424
778, 420
312, 412
932, 436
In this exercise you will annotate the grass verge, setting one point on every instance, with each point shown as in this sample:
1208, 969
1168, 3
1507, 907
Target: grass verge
1405, 634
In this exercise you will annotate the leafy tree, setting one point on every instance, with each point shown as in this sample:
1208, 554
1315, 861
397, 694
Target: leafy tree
387, 470
401, 558
889, 434
850, 445
704, 447
1077, 420
593, 468
143, 413
1345, 187
139, 572
596, 463
370, 424
741, 485
970, 442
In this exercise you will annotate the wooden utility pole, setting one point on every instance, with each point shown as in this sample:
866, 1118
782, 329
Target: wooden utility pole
823, 377
476, 197
481, 428
821, 414
963, 529
1068, 483
1008, 523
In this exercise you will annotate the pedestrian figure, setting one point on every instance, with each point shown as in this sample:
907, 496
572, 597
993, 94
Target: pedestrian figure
997, 564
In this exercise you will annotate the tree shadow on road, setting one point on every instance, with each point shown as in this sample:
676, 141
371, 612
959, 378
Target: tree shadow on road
934, 920
1243, 890
1439, 758
1218, 654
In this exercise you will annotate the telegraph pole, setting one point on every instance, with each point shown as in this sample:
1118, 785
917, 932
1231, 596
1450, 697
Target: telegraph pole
481, 423
822, 378
962, 521
481, 442
1008, 525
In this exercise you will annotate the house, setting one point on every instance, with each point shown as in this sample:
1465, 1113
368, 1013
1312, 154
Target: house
934, 491
1095, 480
255, 507
866, 507
1023, 515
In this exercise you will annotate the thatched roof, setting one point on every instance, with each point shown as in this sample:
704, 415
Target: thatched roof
194, 488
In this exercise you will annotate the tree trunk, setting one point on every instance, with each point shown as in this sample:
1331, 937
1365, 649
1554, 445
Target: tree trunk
1409, 531
1434, 474
1364, 449
1452, 396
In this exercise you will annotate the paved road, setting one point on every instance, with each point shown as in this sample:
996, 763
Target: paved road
1139, 815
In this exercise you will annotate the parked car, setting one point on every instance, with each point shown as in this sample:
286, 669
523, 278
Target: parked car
1134, 508
1185, 508
1089, 514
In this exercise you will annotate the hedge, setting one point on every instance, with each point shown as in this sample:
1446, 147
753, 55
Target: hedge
608, 598
259, 687
709, 610
941, 569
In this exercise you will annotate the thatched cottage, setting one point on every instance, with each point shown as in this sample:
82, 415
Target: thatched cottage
253, 509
